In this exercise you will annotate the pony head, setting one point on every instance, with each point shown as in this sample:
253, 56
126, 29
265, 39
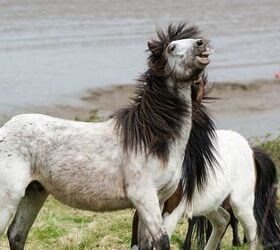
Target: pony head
180, 52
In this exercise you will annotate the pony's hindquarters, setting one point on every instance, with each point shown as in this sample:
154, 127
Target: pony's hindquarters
243, 189
265, 208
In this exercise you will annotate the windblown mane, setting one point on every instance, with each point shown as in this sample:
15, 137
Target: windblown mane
200, 151
156, 114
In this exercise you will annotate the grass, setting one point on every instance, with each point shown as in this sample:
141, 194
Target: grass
272, 147
59, 227
93, 117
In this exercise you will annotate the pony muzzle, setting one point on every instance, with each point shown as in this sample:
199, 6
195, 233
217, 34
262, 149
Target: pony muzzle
202, 49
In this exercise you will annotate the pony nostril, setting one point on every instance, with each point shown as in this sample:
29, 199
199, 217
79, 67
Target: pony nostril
199, 43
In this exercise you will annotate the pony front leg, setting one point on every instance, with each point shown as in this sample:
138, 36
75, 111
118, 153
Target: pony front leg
143, 196
145, 239
143, 234
171, 220
139, 231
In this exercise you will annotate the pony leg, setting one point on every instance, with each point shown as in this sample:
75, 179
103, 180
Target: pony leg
188, 241
139, 233
6, 214
234, 225
134, 236
14, 175
27, 211
200, 224
144, 235
246, 217
219, 220
145, 239
209, 229
171, 220
145, 200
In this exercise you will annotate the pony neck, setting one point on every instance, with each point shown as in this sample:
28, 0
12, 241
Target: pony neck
157, 118
183, 90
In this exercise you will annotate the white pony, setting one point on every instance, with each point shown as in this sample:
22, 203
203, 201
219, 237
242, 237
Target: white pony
132, 160
247, 178
220, 165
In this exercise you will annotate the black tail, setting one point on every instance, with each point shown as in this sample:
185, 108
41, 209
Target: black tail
202, 230
198, 230
266, 211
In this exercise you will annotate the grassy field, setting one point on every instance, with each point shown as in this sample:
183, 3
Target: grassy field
60, 228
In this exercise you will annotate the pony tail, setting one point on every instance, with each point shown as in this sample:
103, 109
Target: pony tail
199, 228
266, 211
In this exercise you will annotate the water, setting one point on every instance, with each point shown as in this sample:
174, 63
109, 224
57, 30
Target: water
52, 51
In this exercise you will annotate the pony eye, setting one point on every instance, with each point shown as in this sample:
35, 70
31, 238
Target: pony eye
172, 48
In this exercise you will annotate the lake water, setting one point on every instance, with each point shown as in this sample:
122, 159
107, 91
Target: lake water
52, 51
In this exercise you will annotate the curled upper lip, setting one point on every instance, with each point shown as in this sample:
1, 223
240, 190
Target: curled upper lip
205, 50
202, 53
206, 53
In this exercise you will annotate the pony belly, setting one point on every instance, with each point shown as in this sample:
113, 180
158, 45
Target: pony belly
92, 196
204, 204
95, 204
216, 191
91, 189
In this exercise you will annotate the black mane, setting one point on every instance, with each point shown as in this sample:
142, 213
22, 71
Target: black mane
200, 151
156, 114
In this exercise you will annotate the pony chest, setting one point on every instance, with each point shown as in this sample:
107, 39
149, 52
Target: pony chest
168, 181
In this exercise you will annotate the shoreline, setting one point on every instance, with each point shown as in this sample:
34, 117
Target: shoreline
241, 107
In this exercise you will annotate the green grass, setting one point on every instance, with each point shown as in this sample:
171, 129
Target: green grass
272, 147
59, 227
92, 117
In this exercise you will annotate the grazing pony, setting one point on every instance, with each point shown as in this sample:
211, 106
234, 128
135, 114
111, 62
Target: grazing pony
131, 160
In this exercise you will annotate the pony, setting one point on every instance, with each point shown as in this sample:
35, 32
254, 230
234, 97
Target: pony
131, 160
244, 177
198, 151
247, 177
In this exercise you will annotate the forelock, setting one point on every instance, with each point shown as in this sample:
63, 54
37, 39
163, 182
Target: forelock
173, 32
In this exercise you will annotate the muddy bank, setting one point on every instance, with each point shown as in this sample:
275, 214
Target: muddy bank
253, 109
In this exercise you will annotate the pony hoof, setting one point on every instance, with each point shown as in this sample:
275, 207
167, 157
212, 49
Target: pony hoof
145, 248
163, 243
236, 243
145, 245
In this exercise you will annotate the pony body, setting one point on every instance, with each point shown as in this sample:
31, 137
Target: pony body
247, 178
219, 183
234, 176
132, 160
69, 159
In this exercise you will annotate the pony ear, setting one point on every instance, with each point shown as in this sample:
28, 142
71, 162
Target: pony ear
153, 46
150, 46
